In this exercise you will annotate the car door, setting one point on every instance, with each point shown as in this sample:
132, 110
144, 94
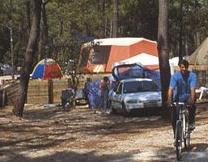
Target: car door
117, 99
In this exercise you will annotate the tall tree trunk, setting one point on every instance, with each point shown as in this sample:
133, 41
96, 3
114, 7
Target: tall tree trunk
186, 45
102, 8
30, 53
40, 52
196, 32
28, 15
43, 42
197, 39
163, 48
115, 19
180, 55
45, 29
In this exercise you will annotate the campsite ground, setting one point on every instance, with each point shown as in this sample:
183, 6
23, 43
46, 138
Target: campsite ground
46, 133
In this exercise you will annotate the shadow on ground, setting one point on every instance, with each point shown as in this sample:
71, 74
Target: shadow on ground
70, 156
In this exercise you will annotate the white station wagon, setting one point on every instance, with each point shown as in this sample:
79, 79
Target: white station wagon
135, 93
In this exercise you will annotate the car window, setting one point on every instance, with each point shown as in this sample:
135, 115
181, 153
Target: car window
140, 86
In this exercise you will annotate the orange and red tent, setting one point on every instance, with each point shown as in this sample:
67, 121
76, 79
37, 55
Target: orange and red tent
108, 51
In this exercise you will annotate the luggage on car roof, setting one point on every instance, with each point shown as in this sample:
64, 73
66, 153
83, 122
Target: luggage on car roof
126, 71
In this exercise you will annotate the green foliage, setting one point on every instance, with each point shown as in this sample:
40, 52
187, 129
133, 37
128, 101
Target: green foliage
193, 19
72, 22
139, 18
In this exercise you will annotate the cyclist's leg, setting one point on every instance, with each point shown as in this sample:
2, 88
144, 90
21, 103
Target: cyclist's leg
174, 117
192, 113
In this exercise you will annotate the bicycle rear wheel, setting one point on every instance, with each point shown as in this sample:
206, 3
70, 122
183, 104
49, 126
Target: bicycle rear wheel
178, 138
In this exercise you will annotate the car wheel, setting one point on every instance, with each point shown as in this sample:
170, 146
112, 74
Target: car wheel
125, 112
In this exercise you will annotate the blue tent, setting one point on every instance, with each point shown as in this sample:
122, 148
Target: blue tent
47, 69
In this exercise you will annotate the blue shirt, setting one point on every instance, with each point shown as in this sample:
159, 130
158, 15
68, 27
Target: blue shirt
181, 87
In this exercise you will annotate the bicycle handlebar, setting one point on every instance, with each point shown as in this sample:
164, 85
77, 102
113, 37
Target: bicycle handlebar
179, 103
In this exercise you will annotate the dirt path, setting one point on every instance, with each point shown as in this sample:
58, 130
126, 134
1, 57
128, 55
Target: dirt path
49, 134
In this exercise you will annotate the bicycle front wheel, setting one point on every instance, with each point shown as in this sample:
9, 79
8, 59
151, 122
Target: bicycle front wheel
178, 138
187, 132
187, 141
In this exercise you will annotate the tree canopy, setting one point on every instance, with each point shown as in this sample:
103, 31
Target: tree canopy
66, 24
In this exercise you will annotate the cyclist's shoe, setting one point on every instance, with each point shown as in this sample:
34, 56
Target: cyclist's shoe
191, 126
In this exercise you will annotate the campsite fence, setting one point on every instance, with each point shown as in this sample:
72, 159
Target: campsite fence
39, 91
49, 91
201, 72
202, 77
46, 91
42, 91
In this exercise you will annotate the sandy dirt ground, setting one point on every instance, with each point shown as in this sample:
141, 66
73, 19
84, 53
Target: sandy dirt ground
49, 134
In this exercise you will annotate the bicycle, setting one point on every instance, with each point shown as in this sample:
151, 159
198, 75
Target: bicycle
182, 132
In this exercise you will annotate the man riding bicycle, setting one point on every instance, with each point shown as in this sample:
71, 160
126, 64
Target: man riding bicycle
182, 89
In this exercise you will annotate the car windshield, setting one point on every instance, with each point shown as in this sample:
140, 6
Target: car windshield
139, 86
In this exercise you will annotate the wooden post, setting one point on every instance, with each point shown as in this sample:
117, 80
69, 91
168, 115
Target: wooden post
3, 97
50, 91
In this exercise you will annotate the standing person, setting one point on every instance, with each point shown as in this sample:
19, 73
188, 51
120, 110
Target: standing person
105, 86
182, 89
90, 91
87, 89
